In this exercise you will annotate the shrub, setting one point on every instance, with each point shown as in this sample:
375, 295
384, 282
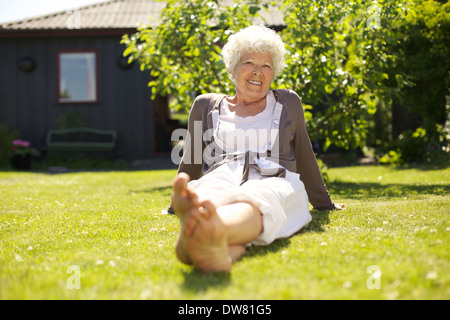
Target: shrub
7, 136
419, 146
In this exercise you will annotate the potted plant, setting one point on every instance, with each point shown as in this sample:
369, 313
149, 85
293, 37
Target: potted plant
22, 154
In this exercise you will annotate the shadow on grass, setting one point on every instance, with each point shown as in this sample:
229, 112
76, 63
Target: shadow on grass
166, 190
368, 191
196, 281
319, 220
277, 245
422, 167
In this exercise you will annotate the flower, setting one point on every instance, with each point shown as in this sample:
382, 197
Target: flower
22, 143
22, 147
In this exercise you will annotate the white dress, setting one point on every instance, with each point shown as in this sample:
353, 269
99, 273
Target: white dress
282, 201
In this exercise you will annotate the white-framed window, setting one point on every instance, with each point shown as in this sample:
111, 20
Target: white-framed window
77, 76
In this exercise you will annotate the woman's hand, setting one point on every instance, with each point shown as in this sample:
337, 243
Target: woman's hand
339, 206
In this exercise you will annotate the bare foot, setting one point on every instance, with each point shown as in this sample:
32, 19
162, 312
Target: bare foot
185, 202
207, 245
184, 199
202, 240
236, 251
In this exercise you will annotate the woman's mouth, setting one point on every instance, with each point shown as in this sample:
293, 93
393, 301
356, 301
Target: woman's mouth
254, 82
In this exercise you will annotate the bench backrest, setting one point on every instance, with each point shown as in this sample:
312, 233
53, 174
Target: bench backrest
82, 138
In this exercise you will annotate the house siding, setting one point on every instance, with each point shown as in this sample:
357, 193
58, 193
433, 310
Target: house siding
28, 101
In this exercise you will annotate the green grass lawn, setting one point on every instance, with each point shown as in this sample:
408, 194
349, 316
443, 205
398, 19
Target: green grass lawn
109, 230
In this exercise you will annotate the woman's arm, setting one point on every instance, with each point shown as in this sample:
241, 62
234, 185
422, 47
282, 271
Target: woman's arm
192, 160
306, 160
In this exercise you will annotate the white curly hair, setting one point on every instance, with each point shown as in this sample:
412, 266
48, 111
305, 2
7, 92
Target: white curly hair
254, 38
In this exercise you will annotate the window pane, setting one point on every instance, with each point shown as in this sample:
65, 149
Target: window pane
77, 77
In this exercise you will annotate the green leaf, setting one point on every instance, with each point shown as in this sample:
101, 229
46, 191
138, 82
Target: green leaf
329, 88
253, 10
128, 51
400, 79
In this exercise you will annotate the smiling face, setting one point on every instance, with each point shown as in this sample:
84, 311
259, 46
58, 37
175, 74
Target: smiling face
253, 75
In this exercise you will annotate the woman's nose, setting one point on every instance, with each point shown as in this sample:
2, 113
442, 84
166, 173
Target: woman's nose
256, 70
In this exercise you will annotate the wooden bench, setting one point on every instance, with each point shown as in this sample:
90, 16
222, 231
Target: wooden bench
81, 140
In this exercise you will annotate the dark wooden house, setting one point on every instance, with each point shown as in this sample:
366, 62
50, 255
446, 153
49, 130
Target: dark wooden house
69, 66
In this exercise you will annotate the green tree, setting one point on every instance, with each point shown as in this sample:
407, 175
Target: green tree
424, 50
422, 57
337, 64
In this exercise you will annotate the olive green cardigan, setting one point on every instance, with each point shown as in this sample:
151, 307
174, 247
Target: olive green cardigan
295, 150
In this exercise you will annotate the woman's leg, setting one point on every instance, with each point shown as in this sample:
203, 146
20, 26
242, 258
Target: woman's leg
243, 220
212, 238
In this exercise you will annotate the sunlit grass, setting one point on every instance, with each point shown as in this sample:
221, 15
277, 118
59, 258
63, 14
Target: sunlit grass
112, 226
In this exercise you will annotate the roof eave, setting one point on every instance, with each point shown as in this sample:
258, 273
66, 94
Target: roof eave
38, 33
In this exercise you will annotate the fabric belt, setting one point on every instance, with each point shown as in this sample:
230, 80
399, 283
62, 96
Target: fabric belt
249, 162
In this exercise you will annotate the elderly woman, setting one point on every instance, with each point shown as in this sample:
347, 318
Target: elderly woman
257, 170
